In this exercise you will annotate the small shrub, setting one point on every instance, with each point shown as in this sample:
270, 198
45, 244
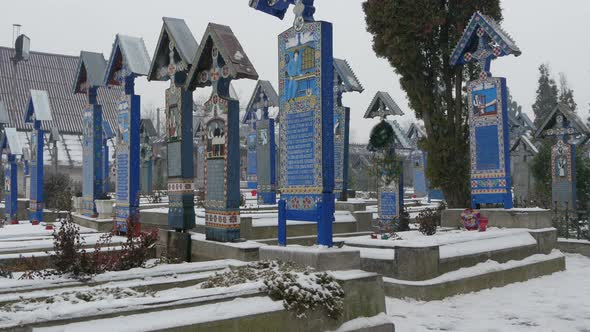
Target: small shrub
301, 290
67, 244
4, 273
57, 192
428, 220
404, 221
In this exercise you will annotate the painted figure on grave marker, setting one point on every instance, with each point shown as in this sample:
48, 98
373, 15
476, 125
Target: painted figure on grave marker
483, 41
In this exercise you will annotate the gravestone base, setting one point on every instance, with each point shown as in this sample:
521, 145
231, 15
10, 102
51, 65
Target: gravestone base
319, 258
174, 245
222, 226
507, 218
205, 250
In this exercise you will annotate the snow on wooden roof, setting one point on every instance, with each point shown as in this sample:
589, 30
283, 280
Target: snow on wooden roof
90, 71
382, 105
130, 55
484, 25
174, 32
38, 107
348, 77
11, 141
230, 49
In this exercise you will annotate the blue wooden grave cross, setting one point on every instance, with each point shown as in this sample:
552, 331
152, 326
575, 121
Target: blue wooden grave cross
483, 41
89, 78
38, 110
11, 145
129, 59
219, 60
172, 61
306, 98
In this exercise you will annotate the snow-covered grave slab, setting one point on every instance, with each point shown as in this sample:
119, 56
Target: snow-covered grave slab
105, 302
26, 229
176, 318
25, 245
8, 286
416, 239
319, 257
484, 275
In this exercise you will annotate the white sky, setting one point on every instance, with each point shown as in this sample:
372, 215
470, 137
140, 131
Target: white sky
545, 30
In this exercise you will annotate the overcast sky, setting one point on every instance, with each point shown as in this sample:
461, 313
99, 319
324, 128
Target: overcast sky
545, 30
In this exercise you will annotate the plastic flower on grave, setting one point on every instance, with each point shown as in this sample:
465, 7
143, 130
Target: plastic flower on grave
470, 219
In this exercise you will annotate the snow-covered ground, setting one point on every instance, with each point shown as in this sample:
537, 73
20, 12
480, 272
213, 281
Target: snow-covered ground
559, 302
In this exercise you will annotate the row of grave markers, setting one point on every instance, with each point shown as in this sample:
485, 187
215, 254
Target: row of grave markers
314, 125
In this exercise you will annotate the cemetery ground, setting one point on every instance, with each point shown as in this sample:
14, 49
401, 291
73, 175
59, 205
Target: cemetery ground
165, 294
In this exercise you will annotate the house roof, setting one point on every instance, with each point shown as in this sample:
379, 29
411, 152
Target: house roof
348, 77
38, 107
382, 105
503, 42
266, 88
54, 73
4, 119
90, 71
577, 125
129, 53
185, 45
231, 51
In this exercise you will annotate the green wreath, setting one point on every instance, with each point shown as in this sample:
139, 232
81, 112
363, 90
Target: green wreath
381, 137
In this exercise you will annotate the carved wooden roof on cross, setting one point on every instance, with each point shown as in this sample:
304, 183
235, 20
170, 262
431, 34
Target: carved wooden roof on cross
492, 43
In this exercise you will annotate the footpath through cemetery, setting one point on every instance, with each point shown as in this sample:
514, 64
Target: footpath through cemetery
237, 172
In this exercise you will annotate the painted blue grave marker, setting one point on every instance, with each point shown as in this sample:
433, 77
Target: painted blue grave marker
129, 59
89, 78
38, 110
146, 133
390, 194
569, 130
483, 41
306, 98
262, 164
344, 81
174, 58
219, 60
11, 145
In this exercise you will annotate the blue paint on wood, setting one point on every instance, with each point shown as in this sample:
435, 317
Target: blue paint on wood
11, 188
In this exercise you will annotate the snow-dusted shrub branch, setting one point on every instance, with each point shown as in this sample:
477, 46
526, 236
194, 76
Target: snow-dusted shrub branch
301, 290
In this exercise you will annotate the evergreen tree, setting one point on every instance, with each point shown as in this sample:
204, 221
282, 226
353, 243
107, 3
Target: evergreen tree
566, 94
417, 37
547, 95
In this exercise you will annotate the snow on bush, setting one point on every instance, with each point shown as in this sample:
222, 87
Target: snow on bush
300, 290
